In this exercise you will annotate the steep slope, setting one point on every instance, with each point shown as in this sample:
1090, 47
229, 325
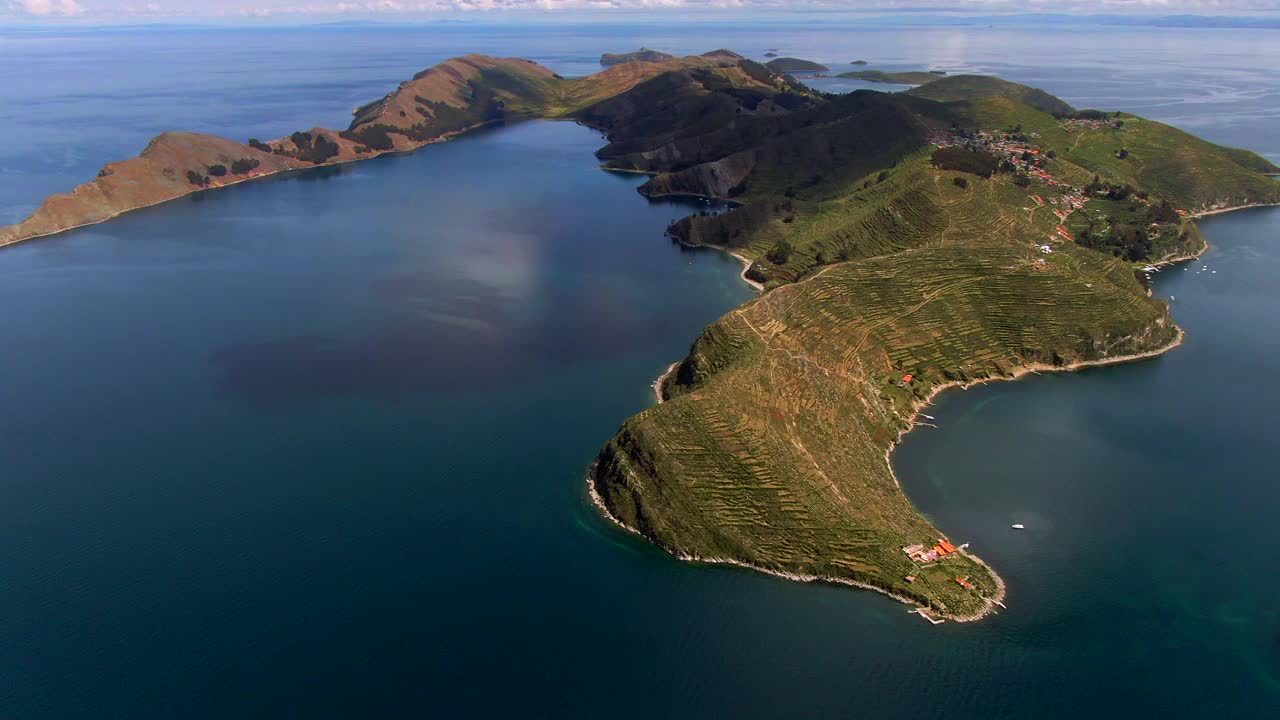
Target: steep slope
440, 102
641, 55
893, 274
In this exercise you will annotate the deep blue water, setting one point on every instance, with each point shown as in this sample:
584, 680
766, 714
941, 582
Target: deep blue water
314, 447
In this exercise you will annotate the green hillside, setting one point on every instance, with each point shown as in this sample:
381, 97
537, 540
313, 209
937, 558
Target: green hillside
967, 229
914, 77
795, 65
980, 87
963, 231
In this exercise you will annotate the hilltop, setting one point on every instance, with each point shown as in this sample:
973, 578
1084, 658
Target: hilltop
641, 55
955, 88
795, 65
968, 230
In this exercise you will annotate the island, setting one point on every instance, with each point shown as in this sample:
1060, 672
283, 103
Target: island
641, 55
795, 65
858, 62
965, 231
911, 77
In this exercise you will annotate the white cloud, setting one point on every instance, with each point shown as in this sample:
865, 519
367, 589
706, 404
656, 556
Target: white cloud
113, 10
44, 8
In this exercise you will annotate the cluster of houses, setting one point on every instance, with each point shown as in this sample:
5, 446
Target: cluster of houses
1026, 159
923, 554
1088, 124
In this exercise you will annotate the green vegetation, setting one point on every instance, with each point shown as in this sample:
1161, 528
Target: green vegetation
956, 232
313, 148
901, 78
770, 447
641, 55
779, 253
375, 137
983, 87
795, 65
974, 162
244, 166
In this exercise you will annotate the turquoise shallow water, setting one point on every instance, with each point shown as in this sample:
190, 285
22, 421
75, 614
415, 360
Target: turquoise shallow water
315, 446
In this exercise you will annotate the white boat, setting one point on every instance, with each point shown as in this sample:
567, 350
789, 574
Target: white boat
1019, 526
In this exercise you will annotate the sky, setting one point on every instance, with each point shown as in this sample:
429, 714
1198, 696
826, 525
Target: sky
124, 11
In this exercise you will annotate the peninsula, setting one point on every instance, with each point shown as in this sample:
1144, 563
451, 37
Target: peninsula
915, 77
967, 230
641, 55
795, 65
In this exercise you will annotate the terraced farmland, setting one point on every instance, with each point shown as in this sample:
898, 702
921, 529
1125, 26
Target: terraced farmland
771, 448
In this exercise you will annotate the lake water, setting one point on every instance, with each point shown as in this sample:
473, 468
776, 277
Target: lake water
314, 447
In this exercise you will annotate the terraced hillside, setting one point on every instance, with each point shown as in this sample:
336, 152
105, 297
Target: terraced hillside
892, 275
850, 184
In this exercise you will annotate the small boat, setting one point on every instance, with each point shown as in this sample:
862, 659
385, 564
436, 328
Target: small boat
928, 417
1019, 526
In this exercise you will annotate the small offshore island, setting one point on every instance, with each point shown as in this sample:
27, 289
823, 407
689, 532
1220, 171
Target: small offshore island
964, 231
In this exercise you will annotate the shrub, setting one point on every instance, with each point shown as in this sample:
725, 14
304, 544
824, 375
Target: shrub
217, 170
1021, 180
1127, 241
960, 182
779, 253
376, 137
244, 165
1164, 213
973, 162
257, 144
313, 150
196, 178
